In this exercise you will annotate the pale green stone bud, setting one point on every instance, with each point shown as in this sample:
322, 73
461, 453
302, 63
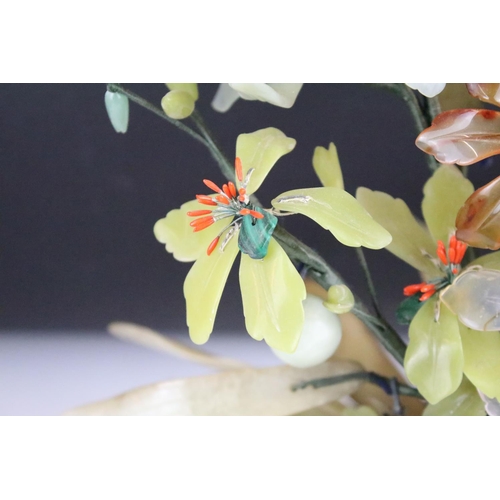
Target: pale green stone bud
190, 88
178, 104
117, 107
340, 299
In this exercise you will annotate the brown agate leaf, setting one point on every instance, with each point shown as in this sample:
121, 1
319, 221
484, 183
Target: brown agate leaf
478, 221
486, 92
462, 136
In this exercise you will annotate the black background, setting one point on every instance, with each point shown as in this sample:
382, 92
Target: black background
78, 201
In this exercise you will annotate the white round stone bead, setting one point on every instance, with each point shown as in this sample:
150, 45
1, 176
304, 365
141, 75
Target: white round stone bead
320, 336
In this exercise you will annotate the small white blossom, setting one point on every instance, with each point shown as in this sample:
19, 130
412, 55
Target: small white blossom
428, 89
279, 94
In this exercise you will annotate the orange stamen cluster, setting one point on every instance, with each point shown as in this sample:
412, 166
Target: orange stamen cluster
426, 289
451, 262
228, 202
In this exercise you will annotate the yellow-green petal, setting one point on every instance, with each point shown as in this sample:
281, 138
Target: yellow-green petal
490, 261
482, 360
339, 212
464, 402
272, 292
340, 299
327, 166
260, 150
434, 360
203, 289
190, 88
410, 241
178, 236
444, 194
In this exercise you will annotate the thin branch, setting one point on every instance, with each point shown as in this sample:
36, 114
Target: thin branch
383, 382
369, 280
225, 165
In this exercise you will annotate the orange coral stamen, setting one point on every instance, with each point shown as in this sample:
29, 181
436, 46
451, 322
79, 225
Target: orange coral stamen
197, 213
202, 223
212, 245
452, 253
205, 200
452, 249
461, 249
242, 192
428, 288
222, 199
253, 213
427, 295
412, 289
441, 253
225, 188
232, 189
239, 169
212, 186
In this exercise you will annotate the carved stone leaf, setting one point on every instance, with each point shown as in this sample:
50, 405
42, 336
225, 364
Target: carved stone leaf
462, 136
486, 92
250, 391
478, 221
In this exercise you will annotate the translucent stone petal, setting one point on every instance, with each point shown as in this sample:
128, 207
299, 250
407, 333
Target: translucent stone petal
444, 193
319, 339
260, 150
117, 106
462, 136
279, 94
478, 220
410, 241
434, 359
178, 236
464, 402
327, 166
272, 292
178, 104
251, 391
224, 98
340, 299
474, 297
190, 88
428, 89
482, 360
203, 289
339, 212
486, 92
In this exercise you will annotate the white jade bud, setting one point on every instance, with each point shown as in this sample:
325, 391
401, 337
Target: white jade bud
320, 336
117, 107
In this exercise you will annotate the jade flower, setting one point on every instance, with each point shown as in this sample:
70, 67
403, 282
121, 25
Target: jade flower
456, 329
279, 94
229, 223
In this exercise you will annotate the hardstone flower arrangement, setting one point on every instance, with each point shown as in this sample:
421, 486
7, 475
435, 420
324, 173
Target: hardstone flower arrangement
452, 361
